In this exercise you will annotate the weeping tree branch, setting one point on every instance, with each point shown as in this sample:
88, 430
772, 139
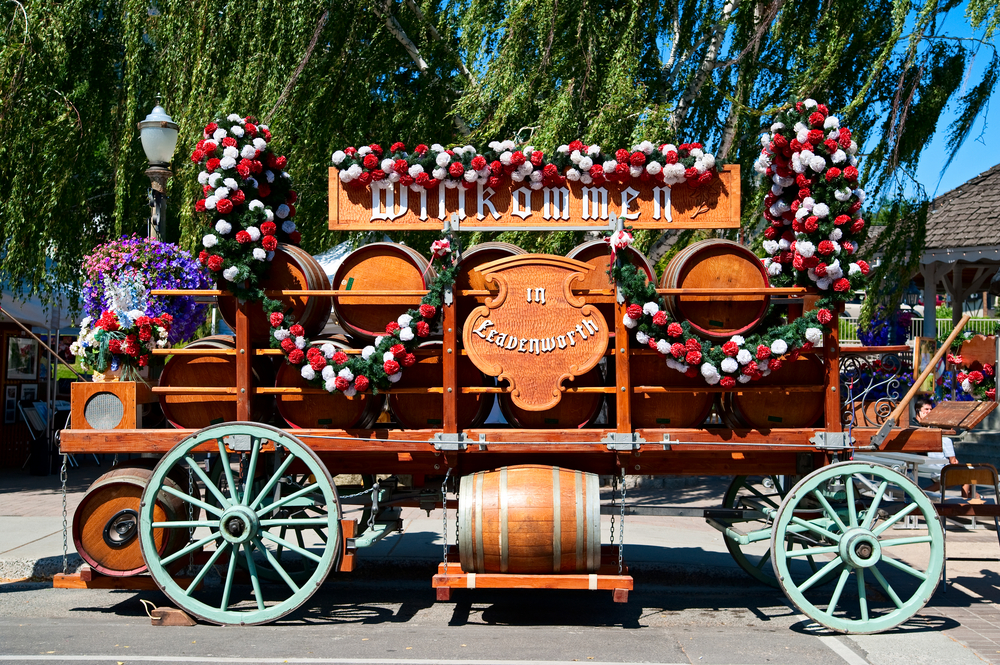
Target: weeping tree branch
302, 65
707, 65
436, 36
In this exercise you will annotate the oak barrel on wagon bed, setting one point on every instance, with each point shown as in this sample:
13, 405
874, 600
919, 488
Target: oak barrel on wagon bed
195, 411
292, 268
598, 254
467, 278
717, 264
574, 410
771, 410
529, 519
378, 266
330, 410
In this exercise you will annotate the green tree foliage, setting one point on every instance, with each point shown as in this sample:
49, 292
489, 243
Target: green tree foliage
78, 74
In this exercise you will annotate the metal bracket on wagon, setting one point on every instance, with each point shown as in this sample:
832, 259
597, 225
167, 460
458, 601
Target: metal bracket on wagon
879, 437
451, 441
623, 441
238, 443
832, 440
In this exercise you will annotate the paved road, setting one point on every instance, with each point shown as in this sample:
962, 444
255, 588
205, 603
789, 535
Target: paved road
373, 618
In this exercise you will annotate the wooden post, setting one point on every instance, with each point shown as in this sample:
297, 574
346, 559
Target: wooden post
244, 354
449, 365
831, 358
623, 388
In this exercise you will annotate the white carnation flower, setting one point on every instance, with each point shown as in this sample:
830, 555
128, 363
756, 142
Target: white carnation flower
710, 373
281, 334
378, 341
393, 378
650, 308
842, 194
805, 248
860, 193
642, 338
231, 273
854, 269
254, 233
836, 234
329, 373
203, 178
738, 339
774, 269
629, 322
219, 134
210, 202
838, 157
442, 159
966, 386
230, 152
330, 385
779, 347
260, 143
814, 335
363, 150
563, 149
777, 126
821, 210
227, 163
222, 193
404, 320
573, 175
594, 150
415, 170
729, 365
609, 166
354, 169
765, 140
351, 391
635, 171
308, 373
338, 156
223, 227
387, 356
654, 167
406, 333
328, 350
743, 357
663, 346
743, 378
210, 241
817, 164
259, 254
823, 283
367, 352
300, 343
831, 122
470, 176
346, 373
256, 204
536, 177
439, 173
771, 247
248, 152
575, 157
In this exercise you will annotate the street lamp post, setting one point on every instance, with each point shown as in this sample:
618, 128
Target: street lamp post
158, 133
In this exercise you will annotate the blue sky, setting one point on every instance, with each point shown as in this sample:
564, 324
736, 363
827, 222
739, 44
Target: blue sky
980, 150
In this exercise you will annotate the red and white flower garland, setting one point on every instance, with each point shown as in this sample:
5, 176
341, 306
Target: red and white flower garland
814, 205
429, 167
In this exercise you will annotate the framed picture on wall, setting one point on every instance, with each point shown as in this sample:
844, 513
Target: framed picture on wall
924, 350
29, 392
10, 405
22, 359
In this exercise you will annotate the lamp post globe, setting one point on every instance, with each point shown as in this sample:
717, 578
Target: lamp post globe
158, 133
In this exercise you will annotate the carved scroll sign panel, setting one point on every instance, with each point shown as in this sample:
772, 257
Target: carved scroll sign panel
535, 333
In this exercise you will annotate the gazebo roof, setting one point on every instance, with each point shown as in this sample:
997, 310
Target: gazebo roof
967, 216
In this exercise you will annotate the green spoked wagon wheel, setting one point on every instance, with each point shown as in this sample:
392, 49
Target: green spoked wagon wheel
765, 494
882, 578
243, 519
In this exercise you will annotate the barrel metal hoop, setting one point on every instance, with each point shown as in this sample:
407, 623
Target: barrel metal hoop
504, 546
580, 517
479, 479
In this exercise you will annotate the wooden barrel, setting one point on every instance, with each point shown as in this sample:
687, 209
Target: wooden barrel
208, 371
529, 519
598, 254
291, 268
778, 409
574, 410
378, 266
326, 411
687, 409
426, 410
467, 278
716, 264
106, 523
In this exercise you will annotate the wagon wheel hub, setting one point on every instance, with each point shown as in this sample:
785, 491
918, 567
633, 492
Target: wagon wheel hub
859, 548
239, 524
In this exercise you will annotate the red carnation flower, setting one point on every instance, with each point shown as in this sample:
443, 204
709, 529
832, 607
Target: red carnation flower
281, 162
361, 383
775, 364
961, 376
268, 228
295, 237
242, 237
115, 346
423, 330
409, 360
820, 269
428, 311
825, 247
693, 357
575, 145
478, 162
622, 155
550, 171
832, 172
848, 246
988, 369
229, 142
400, 166
678, 350
537, 157
391, 327
312, 351
212, 164
243, 168
815, 136
975, 377
397, 349
750, 368
830, 145
276, 319
270, 243
197, 156
370, 161
390, 367
991, 393
797, 262
811, 224
398, 146
143, 360
210, 128
297, 330
692, 344
341, 384
493, 181
215, 263
638, 158
517, 158
296, 356
857, 225
287, 344
851, 173
378, 175
200, 206
264, 189
730, 348
251, 129
420, 149
456, 169
339, 358
224, 206
651, 343
317, 362
634, 311
841, 285
238, 197
660, 318
763, 352
770, 233
840, 220
816, 119
824, 316
727, 382
202, 257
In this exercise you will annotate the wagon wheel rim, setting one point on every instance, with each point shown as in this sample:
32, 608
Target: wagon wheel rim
241, 520
752, 492
860, 503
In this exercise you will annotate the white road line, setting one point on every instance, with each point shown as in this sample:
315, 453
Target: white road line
842, 650
131, 658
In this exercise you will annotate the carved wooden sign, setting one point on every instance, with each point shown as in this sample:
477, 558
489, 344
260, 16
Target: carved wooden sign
535, 333
641, 205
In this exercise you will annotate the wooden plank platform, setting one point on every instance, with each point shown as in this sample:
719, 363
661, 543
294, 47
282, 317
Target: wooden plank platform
959, 415
86, 578
450, 576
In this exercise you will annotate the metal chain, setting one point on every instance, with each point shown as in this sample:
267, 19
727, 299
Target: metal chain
243, 469
621, 526
371, 516
63, 477
614, 495
444, 519
190, 511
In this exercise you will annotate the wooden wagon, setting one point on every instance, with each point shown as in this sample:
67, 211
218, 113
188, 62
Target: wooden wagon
259, 503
